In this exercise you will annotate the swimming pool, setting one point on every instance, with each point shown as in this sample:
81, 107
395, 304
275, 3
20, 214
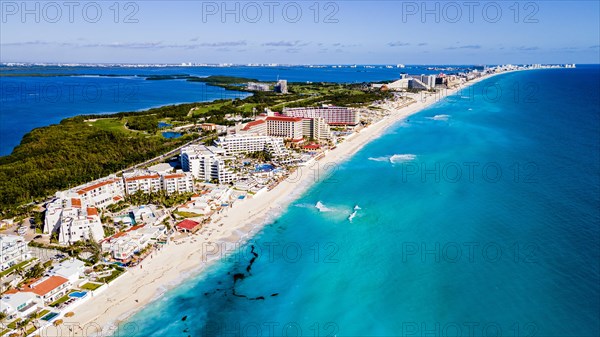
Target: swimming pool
50, 316
264, 168
78, 294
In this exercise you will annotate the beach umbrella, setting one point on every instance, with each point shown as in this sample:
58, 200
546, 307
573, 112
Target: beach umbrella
70, 314
58, 322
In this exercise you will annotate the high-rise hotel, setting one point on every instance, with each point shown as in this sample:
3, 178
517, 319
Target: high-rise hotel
331, 114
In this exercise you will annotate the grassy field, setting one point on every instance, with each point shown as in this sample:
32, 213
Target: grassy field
16, 266
187, 214
110, 124
91, 286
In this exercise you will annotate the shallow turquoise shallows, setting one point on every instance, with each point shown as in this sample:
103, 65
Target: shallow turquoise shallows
477, 216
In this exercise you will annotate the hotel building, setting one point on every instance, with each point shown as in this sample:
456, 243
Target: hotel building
151, 181
178, 182
101, 193
286, 127
13, 250
206, 163
258, 127
237, 144
144, 181
332, 115
316, 128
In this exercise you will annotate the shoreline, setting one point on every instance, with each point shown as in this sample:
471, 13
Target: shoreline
231, 229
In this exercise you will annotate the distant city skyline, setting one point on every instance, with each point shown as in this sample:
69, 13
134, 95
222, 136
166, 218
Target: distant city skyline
343, 32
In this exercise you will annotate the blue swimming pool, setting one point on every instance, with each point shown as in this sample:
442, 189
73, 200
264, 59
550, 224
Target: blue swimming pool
264, 168
78, 294
50, 316
171, 135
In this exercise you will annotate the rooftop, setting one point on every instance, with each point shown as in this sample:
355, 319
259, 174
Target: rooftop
95, 186
284, 119
188, 224
42, 288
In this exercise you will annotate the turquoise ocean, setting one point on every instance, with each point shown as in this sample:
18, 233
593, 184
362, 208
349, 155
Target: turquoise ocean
478, 216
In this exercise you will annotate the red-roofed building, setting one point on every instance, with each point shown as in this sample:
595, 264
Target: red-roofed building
331, 114
188, 225
286, 127
75, 202
100, 193
178, 182
142, 181
258, 127
91, 211
311, 146
47, 289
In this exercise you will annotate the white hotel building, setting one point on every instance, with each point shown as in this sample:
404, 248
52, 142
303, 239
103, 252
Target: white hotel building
237, 144
74, 214
73, 221
100, 193
151, 181
331, 114
206, 163
146, 182
286, 127
13, 250
178, 182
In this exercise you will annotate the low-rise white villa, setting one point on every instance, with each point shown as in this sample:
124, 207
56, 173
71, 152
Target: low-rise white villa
123, 245
46, 290
71, 269
72, 221
18, 305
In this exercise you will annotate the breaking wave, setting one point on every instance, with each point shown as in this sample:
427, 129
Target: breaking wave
439, 117
395, 159
322, 208
401, 158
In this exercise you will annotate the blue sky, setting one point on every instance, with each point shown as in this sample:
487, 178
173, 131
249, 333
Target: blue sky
386, 32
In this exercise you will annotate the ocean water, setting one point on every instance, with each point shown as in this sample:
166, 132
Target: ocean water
475, 217
28, 102
31, 102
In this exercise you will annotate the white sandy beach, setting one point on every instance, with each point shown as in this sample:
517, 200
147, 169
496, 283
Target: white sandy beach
177, 261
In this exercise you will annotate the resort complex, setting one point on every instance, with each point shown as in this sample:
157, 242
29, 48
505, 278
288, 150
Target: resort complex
100, 241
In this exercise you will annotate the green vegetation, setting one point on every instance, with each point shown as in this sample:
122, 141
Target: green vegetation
158, 198
42, 313
110, 124
187, 214
61, 156
84, 148
116, 272
18, 266
263, 156
36, 271
143, 123
91, 286
13, 324
61, 300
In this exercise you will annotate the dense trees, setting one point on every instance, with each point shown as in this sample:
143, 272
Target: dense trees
74, 152
143, 123
61, 156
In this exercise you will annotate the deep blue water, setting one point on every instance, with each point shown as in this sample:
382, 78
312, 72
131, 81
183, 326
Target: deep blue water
171, 134
30, 102
508, 248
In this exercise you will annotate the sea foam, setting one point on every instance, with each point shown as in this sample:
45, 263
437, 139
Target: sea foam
439, 117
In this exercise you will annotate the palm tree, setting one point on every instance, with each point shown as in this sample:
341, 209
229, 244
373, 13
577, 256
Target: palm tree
22, 325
